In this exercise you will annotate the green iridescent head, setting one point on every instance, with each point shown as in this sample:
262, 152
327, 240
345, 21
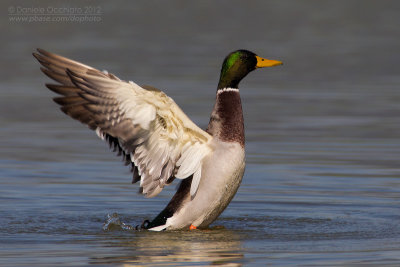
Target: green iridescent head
238, 64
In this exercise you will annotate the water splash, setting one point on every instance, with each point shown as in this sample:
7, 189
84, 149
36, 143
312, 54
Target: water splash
114, 223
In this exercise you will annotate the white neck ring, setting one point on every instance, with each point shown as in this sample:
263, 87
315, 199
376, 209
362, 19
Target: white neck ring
219, 91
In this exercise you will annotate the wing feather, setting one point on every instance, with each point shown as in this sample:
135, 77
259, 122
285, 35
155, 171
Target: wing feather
142, 124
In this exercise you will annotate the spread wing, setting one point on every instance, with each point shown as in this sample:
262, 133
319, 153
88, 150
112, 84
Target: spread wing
143, 124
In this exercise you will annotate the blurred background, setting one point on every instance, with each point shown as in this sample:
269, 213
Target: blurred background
322, 182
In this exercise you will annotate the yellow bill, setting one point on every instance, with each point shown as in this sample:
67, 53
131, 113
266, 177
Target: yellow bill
263, 62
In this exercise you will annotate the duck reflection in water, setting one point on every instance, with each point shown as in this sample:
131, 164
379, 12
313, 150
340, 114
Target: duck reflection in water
214, 246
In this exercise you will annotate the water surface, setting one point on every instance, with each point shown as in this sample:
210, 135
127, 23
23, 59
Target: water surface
322, 182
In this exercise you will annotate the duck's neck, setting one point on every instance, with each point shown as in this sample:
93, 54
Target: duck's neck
226, 122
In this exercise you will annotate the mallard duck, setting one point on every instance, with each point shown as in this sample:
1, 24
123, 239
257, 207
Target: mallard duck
156, 138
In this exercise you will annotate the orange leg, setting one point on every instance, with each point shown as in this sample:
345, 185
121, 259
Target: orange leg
192, 227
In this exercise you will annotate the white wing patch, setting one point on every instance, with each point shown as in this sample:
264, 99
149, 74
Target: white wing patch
142, 115
190, 162
195, 182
